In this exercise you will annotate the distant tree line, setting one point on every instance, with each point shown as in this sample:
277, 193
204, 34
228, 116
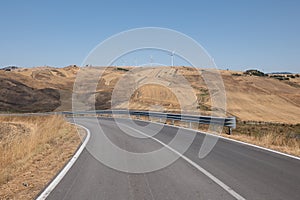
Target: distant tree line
254, 72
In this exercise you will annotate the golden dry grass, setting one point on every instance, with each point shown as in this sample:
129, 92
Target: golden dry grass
277, 136
280, 137
32, 151
271, 141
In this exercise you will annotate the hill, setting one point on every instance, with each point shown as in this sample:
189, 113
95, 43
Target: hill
249, 97
15, 96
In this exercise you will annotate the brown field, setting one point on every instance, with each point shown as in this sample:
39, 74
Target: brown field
32, 151
250, 98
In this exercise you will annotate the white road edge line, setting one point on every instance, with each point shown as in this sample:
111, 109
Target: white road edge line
63, 172
225, 138
209, 175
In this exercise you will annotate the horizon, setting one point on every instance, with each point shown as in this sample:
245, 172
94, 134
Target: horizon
154, 66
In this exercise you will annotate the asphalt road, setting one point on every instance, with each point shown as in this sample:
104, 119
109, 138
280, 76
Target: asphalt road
250, 172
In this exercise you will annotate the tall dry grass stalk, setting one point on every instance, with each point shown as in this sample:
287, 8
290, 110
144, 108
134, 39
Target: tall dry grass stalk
23, 137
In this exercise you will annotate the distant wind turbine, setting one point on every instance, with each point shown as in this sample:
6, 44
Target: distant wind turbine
172, 57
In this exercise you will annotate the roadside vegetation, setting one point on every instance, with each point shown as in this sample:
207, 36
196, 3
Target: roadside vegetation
32, 151
277, 136
281, 137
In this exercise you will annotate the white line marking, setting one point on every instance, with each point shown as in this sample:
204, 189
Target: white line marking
225, 138
209, 175
63, 172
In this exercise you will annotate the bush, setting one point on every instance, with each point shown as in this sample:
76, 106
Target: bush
254, 72
280, 77
122, 69
291, 76
236, 74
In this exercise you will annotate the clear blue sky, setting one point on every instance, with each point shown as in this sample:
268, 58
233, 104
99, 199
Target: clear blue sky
240, 34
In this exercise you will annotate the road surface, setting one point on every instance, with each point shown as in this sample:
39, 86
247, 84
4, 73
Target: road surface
250, 172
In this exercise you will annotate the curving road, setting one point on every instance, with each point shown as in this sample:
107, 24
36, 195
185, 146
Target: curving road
231, 171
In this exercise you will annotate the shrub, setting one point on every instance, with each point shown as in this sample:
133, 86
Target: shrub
236, 74
122, 69
254, 72
280, 77
291, 76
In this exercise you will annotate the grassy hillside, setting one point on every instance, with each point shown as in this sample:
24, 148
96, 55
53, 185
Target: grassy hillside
249, 96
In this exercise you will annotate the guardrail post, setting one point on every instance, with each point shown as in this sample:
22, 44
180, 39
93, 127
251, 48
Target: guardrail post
229, 131
190, 125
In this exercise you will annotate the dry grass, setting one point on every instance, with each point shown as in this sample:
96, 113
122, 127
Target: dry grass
32, 151
278, 143
281, 137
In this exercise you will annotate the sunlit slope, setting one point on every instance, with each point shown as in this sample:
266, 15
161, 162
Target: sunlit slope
155, 88
262, 98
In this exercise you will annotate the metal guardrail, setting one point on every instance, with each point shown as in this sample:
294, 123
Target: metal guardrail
229, 122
